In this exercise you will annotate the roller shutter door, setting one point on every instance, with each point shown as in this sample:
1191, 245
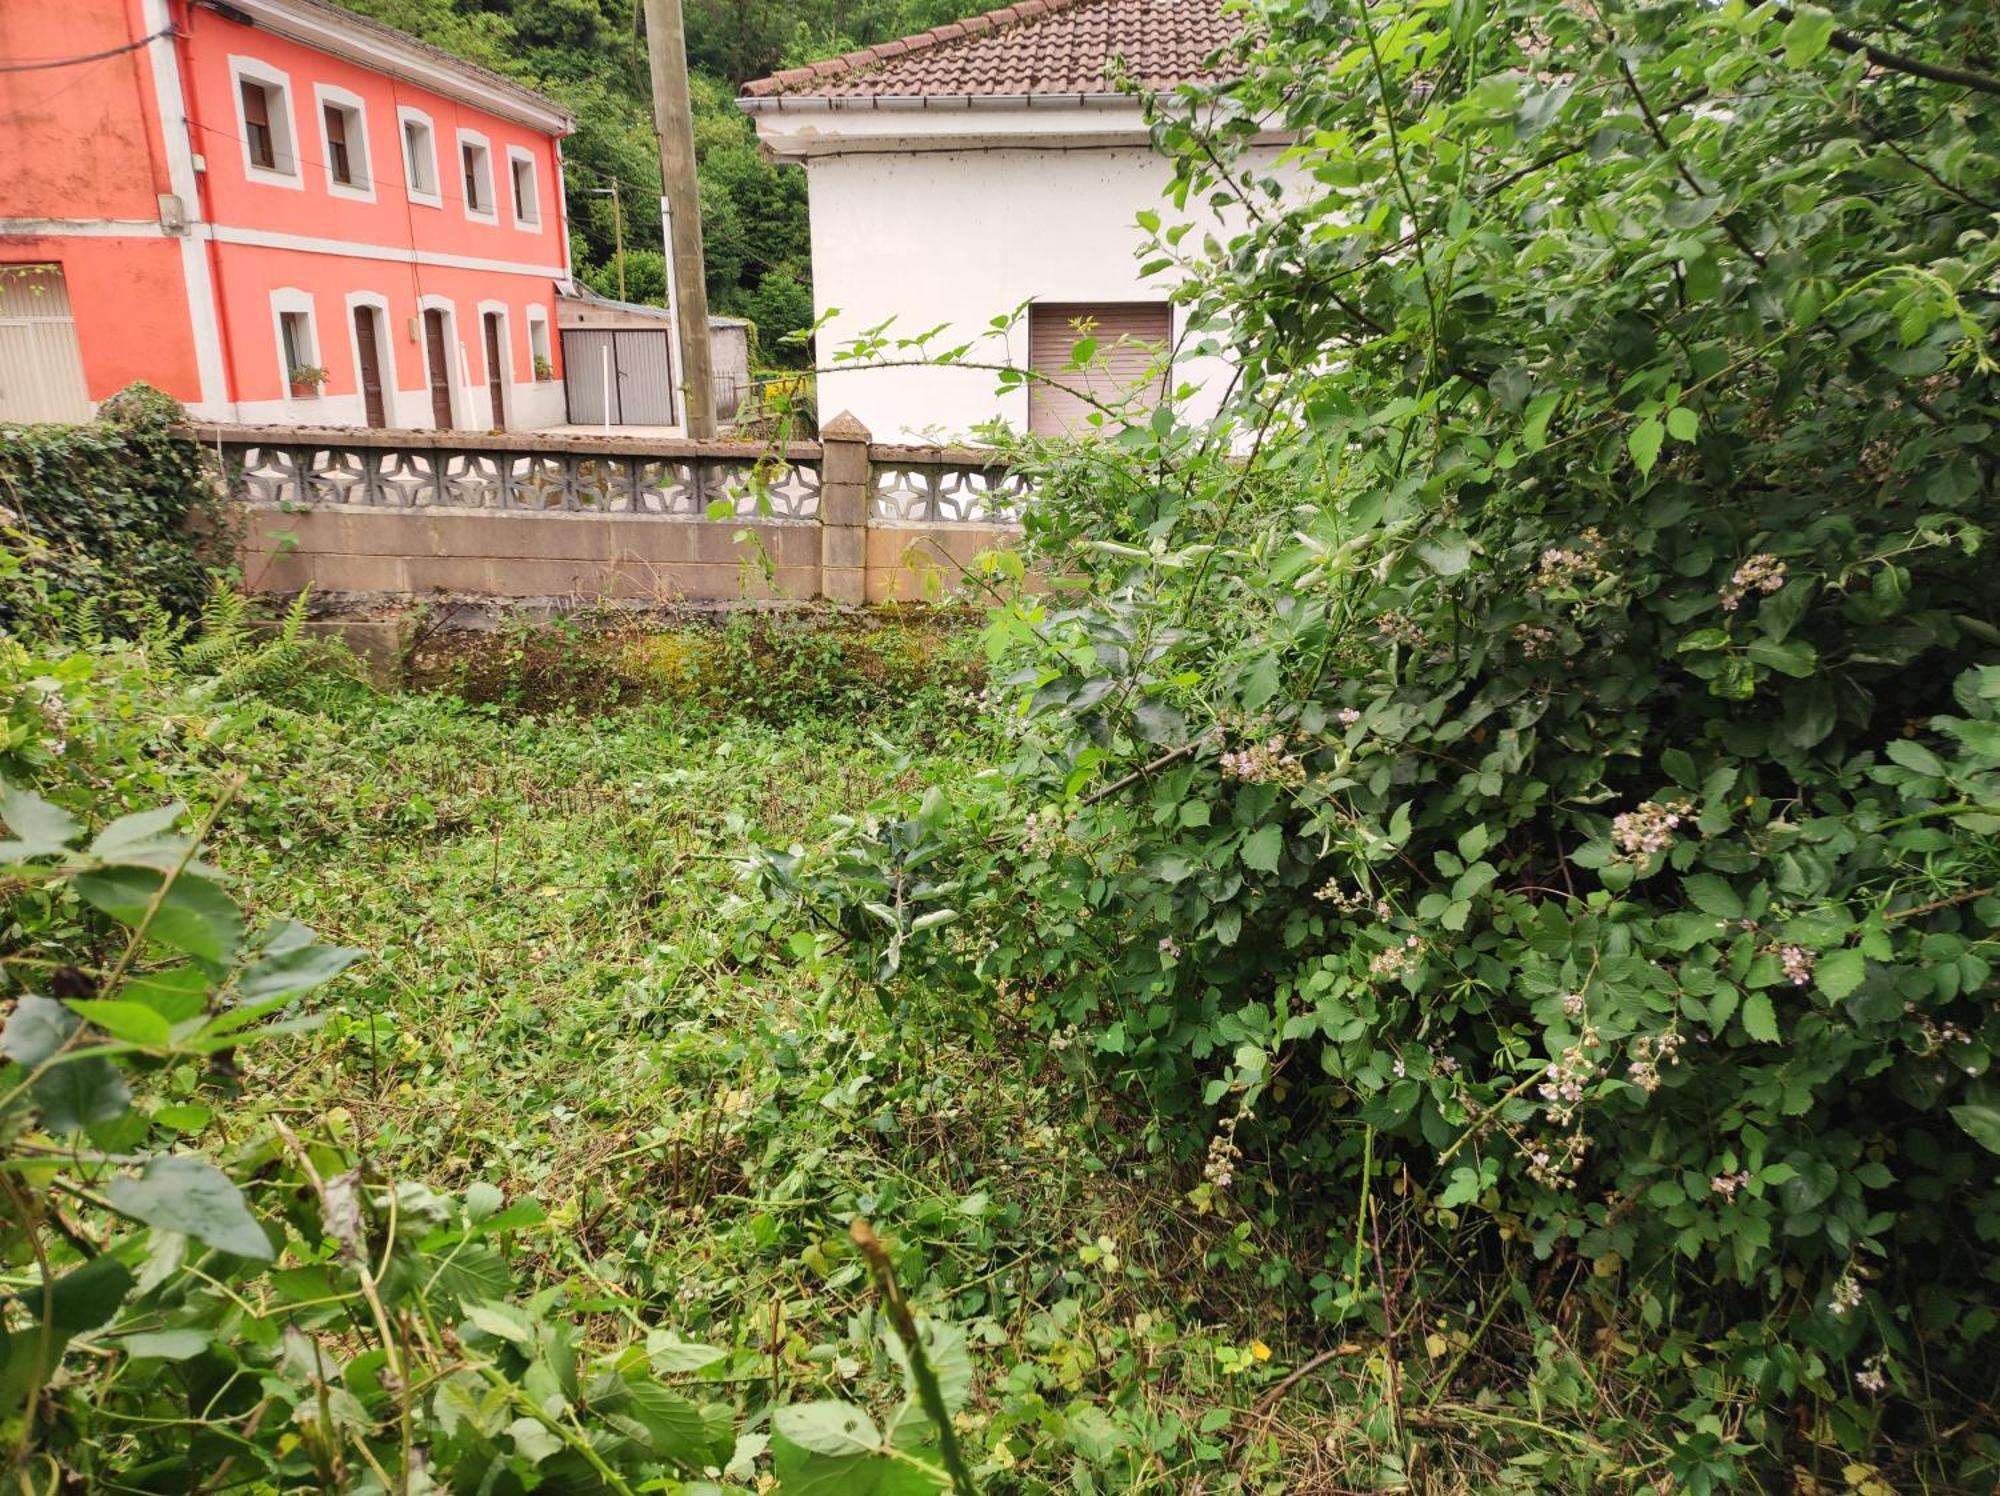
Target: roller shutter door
1129, 336
41, 364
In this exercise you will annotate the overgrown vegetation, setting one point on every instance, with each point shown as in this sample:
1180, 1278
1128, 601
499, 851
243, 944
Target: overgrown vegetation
110, 516
1454, 952
1525, 823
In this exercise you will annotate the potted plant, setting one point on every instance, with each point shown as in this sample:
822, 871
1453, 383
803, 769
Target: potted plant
306, 380
543, 368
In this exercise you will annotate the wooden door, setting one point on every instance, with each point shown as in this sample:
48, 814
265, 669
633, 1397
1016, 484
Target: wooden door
1123, 365
369, 351
496, 372
440, 368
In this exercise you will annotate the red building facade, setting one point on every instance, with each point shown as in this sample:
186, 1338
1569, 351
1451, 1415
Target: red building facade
275, 211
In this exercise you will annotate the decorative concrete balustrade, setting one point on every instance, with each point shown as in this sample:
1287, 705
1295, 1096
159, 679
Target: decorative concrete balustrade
540, 515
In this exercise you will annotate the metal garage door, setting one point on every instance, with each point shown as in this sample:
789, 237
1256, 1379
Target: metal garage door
41, 366
617, 378
1129, 336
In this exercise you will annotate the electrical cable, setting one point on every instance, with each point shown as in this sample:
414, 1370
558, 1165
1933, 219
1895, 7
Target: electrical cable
70, 62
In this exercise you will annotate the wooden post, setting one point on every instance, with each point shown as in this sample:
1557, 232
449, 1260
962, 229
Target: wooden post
844, 481
673, 121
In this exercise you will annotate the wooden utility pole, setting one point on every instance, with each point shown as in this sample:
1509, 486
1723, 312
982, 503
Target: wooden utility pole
673, 121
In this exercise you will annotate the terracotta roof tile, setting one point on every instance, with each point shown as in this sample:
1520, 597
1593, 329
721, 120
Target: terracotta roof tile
1028, 47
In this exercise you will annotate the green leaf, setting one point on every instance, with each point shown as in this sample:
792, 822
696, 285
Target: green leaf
195, 915
1260, 682
143, 840
674, 1426
670, 1357
190, 1195
1261, 848
40, 829
129, 1023
1807, 34
1447, 553
164, 1345
503, 1322
37, 1028
81, 1092
1760, 1021
532, 1440
1838, 973
827, 1428
1535, 425
1644, 443
1712, 895
1981, 1122
1915, 756
1682, 424
1793, 657
291, 972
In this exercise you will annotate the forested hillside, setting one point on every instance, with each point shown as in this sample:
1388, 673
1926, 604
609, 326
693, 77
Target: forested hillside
591, 55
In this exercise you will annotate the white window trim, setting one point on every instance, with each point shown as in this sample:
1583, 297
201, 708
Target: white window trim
290, 299
285, 150
538, 317
456, 372
515, 155
360, 149
490, 213
385, 345
433, 199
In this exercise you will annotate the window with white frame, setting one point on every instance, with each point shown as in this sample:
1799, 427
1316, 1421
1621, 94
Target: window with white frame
538, 343
420, 165
475, 162
264, 123
527, 195
298, 343
343, 134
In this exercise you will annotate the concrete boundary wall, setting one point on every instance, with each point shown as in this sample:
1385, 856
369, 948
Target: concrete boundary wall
406, 514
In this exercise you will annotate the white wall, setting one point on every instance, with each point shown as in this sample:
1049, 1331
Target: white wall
960, 237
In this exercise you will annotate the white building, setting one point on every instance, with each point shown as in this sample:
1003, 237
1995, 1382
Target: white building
960, 173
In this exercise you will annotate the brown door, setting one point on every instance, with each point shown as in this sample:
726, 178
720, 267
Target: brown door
440, 370
370, 354
1121, 366
496, 372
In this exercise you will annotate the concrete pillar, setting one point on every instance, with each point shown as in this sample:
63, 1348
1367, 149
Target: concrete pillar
844, 482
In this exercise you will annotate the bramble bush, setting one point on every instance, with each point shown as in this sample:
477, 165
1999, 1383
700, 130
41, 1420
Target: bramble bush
1530, 765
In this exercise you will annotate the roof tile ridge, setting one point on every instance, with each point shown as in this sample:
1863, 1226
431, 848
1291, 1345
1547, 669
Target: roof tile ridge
863, 57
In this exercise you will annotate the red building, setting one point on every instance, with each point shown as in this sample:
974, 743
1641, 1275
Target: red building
275, 211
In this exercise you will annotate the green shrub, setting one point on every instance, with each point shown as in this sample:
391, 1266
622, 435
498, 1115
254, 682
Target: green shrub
1553, 769
112, 515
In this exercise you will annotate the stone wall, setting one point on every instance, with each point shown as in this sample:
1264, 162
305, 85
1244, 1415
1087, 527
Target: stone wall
402, 514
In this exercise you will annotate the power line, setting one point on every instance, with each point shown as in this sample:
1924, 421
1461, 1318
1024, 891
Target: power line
70, 62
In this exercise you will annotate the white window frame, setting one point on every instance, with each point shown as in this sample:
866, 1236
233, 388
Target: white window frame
284, 128
455, 375
291, 300
491, 212
539, 343
405, 116
360, 155
385, 346
522, 156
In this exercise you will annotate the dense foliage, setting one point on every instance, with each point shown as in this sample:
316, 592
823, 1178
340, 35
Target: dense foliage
112, 513
1526, 774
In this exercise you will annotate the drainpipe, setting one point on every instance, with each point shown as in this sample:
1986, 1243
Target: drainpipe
198, 142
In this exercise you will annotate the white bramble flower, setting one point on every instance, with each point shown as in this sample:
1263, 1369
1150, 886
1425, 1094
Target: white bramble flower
1763, 572
1642, 833
1846, 1295
1264, 763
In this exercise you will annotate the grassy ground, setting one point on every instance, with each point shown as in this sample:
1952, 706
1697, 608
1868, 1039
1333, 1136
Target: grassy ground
569, 995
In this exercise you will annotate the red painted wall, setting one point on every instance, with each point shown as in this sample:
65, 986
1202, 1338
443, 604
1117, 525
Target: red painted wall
83, 141
130, 304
